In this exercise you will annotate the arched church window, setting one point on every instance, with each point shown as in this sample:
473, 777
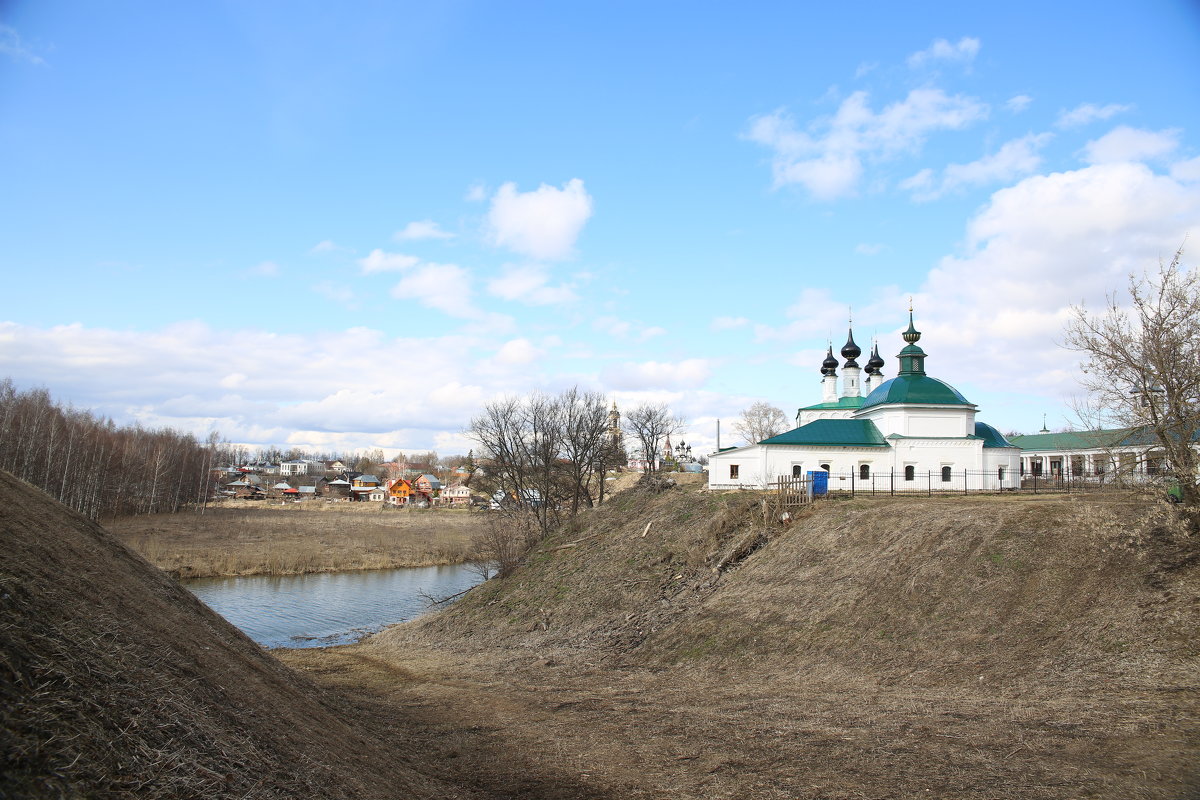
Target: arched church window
910, 472
797, 472
1000, 473
825, 467
945, 474
864, 472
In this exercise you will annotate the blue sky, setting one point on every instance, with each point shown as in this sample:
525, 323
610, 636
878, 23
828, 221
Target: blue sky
345, 226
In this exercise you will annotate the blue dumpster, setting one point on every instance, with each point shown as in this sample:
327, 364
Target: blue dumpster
820, 483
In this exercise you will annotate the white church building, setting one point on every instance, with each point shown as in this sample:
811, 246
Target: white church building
911, 431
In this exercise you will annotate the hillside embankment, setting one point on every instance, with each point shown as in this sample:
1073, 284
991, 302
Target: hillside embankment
258, 538
673, 644
670, 644
116, 682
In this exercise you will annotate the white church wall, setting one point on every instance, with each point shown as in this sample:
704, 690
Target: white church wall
946, 421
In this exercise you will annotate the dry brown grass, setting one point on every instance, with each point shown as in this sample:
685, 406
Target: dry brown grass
115, 682
259, 539
1015, 647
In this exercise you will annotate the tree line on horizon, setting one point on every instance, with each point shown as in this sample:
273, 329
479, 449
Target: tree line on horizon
97, 467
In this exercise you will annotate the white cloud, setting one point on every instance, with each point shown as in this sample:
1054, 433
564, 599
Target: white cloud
919, 182
266, 269
1088, 112
1014, 158
12, 46
1035, 249
1187, 171
867, 249
517, 351
612, 326
476, 193
1131, 144
688, 374
331, 390
623, 329
324, 246
380, 261
543, 223
527, 284
816, 313
445, 287
728, 323
1018, 103
828, 162
964, 51
424, 229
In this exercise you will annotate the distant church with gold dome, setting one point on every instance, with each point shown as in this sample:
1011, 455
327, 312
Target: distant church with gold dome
880, 433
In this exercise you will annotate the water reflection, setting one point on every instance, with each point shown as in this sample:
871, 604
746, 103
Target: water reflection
327, 608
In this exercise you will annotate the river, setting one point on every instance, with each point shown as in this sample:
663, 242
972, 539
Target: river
328, 608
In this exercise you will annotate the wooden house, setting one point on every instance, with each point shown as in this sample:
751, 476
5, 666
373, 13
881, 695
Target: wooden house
428, 486
400, 492
337, 489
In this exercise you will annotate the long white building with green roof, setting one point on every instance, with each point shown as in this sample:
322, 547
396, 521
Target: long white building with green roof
907, 429
1096, 456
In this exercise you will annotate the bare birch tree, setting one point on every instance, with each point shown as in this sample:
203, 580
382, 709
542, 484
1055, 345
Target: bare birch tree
1142, 363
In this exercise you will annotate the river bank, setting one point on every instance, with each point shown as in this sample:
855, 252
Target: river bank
243, 538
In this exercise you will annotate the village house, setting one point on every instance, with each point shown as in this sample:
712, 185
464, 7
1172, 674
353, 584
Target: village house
278, 490
248, 487
428, 486
302, 466
336, 489
399, 492
457, 495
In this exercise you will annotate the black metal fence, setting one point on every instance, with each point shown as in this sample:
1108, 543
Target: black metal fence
948, 482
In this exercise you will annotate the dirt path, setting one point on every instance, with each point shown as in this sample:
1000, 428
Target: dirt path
520, 725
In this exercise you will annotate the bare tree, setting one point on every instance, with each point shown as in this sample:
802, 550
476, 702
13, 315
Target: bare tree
1142, 364
543, 452
585, 436
760, 421
649, 425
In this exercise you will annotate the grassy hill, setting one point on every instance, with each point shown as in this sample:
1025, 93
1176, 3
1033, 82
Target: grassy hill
117, 682
1013, 588
999, 647
673, 643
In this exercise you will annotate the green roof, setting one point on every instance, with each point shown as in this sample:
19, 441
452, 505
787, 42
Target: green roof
1076, 440
843, 402
833, 432
991, 437
913, 388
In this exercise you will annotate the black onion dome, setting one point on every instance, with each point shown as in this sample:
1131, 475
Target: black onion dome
830, 364
875, 361
850, 350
